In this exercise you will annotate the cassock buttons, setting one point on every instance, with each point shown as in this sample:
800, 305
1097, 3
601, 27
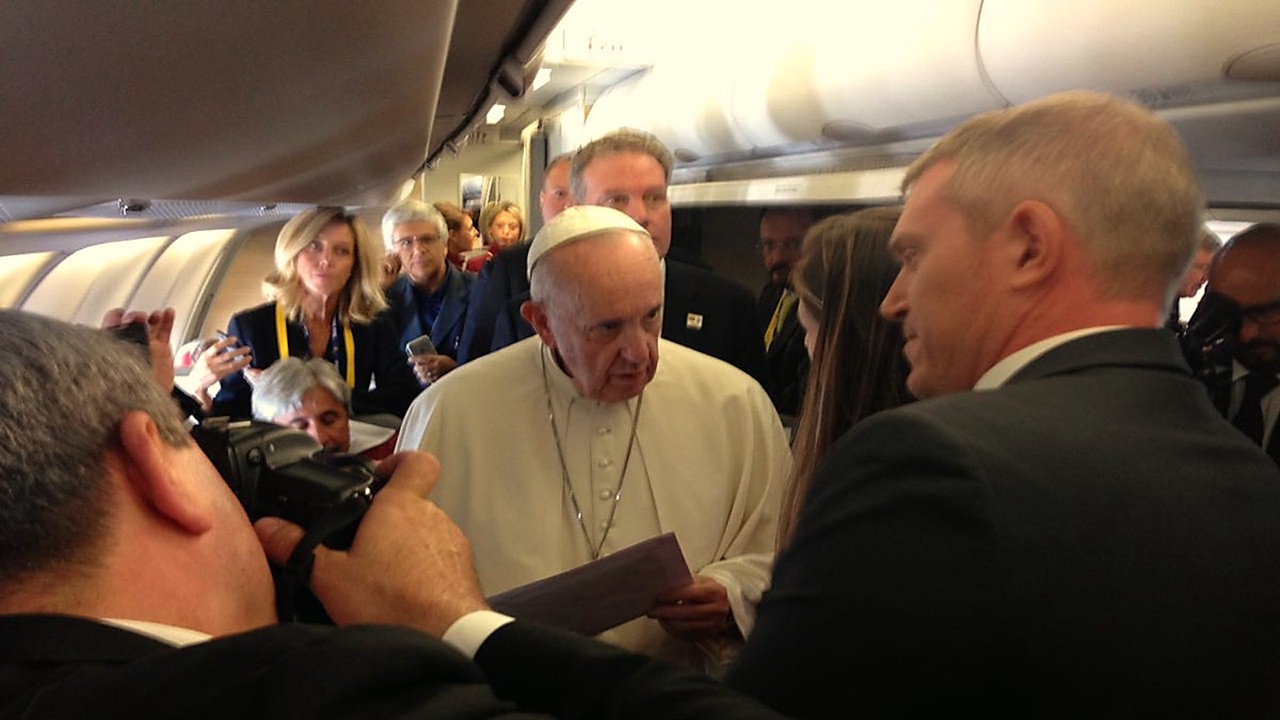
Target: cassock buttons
603, 430
605, 462
604, 524
606, 494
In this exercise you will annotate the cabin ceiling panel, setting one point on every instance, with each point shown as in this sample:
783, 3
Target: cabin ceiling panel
1154, 47
241, 100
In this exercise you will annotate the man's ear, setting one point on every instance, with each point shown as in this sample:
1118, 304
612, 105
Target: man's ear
150, 469
535, 313
1036, 236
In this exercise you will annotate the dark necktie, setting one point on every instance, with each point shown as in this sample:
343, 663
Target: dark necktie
1250, 418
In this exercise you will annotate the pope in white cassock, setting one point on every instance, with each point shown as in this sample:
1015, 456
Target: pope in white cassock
576, 443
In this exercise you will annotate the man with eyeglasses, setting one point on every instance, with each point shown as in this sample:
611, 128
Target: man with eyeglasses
1247, 272
782, 232
430, 297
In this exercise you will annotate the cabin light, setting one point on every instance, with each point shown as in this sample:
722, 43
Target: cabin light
495, 114
540, 78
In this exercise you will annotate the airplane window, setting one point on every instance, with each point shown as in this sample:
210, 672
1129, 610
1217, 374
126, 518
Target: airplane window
93, 279
180, 278
17, 272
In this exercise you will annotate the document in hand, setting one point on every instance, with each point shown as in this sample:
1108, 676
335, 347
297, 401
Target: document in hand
592, 598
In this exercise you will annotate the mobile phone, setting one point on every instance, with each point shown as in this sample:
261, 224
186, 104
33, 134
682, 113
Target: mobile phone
134, 332
420, 345
222, 335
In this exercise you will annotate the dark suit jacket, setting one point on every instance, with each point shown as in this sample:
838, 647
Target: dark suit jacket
713, 315
446, 332
702, 311
60, 667
1090, 540
786, 359
503, 278
568, 675
379, 356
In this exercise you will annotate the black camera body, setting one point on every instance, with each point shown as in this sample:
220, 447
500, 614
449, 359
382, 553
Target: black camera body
282, 472
277, 471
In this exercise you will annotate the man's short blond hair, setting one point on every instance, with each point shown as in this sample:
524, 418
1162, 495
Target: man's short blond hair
1114, 171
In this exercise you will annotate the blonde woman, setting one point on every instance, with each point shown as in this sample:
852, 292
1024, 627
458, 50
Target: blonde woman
327, 303
502, 224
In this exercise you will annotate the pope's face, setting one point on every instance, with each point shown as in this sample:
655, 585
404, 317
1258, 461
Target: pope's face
605, 328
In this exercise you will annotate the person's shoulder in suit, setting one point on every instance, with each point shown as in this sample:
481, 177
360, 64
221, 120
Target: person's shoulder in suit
317, 672
692, 259
255, 316
714, 315
717, 285
768, 302
503, 278
566, 675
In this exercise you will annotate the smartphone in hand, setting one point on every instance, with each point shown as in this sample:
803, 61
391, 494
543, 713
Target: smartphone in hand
420, 345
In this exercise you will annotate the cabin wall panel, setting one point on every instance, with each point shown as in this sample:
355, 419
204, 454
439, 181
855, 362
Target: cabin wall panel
241, 286
500, 159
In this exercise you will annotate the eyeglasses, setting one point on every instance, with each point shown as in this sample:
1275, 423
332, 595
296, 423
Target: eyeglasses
772, 246
408, 241
1264, 314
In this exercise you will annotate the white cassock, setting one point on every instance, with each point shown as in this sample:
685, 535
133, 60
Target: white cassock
709, 461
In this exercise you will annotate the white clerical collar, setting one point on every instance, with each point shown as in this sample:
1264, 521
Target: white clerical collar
1009, 366
168, 634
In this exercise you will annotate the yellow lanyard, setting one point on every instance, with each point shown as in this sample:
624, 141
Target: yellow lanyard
282, 340
780, 311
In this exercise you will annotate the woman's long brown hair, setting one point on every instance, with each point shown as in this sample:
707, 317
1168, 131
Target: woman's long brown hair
844, 272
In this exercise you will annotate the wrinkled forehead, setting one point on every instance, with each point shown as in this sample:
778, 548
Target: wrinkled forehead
624, 167
416, 228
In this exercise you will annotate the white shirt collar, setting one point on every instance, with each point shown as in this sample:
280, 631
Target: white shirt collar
999, 374
168, 634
